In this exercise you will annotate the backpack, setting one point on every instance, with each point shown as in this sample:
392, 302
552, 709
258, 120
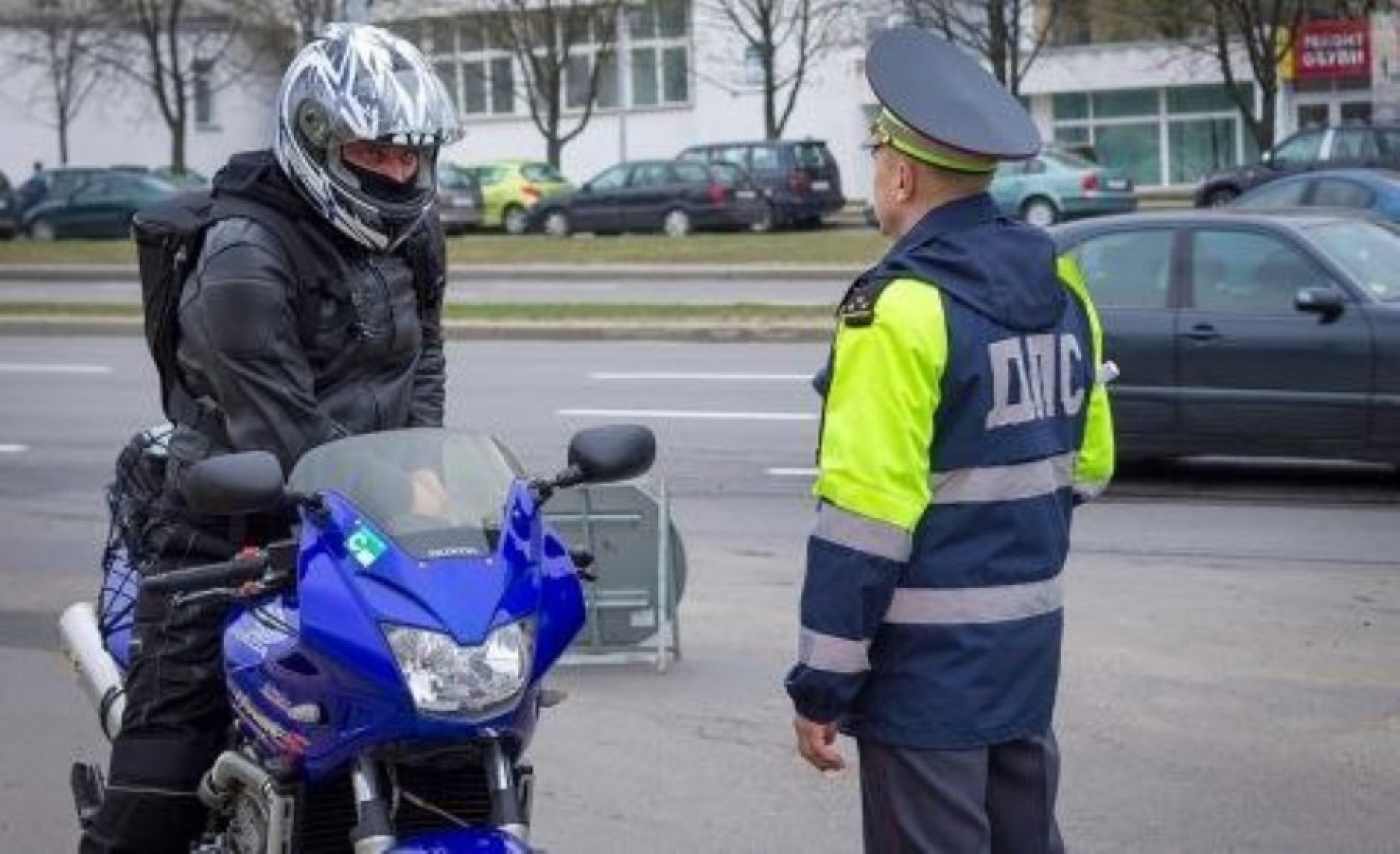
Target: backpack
169, 237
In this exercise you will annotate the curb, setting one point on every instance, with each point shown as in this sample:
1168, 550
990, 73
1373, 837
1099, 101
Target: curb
75, 273
699, 332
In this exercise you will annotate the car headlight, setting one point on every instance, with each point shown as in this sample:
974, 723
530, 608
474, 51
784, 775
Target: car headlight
446, 678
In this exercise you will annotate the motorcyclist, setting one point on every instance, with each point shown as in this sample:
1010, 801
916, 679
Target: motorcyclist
361, 117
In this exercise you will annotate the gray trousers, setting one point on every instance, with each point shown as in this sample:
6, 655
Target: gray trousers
987, 800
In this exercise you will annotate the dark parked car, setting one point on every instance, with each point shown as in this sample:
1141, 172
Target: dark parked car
1375, 191
672, 196
9, 218
800, 178
52, 184
187, 178
100, 207
1314, 148
458, 199
1250, 334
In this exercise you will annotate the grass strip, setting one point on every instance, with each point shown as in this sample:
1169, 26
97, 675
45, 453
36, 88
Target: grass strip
854, 247
516, 312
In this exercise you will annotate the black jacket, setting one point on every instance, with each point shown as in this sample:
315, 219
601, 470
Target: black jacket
374, 362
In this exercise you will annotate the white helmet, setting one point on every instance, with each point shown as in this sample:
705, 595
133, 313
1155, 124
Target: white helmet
356, 82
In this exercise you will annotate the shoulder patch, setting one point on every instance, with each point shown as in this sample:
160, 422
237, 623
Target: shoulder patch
857, 309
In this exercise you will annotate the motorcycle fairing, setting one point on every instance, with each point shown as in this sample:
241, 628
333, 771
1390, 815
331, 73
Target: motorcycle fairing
333, 662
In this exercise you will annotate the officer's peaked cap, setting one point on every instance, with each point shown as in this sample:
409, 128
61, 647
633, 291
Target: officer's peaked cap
940, 106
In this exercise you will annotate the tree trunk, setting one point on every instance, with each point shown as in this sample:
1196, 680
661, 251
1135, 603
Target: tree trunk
177, 144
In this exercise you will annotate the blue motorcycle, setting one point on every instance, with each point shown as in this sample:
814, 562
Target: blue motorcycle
384, 667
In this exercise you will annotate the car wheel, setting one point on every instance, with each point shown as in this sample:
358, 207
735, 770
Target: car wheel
42, 229
556, 224
1040, 212
1221, 196
515, 220
676, 223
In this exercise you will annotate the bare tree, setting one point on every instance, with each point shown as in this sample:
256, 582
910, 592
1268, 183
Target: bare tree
63, 40
1247, 39
173, 47
1007, 34
786, 39
564, 51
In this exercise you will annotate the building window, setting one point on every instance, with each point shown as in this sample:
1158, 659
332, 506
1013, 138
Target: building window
203, 92
578, 68
479, 76
660, 55
1158, 136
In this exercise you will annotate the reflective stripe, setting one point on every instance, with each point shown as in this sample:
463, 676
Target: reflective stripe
937, 607
832, 654
1003, 483
862, 533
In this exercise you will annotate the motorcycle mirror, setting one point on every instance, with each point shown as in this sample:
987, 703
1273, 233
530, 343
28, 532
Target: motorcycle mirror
610, 453
234, 484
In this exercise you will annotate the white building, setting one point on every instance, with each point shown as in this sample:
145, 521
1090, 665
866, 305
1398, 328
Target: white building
1156, 109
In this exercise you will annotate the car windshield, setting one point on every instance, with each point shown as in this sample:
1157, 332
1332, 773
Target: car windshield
1067, 159
811, 155
1369, 251
542, 172
489, 176
385, 476
454, 179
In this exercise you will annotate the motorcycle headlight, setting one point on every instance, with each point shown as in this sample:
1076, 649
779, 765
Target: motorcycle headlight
448, 679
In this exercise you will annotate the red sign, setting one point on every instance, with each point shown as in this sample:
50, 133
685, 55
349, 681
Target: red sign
1332, 49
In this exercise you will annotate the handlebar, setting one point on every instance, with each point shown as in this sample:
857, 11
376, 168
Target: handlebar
248, 566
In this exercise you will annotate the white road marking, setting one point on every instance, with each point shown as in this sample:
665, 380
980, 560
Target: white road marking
681, 375
13, 449
16, 368
780, 472
683, 414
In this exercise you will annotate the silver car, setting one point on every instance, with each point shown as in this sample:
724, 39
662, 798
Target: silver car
459, 199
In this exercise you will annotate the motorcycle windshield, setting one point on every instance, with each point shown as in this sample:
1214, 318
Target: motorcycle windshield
436, 492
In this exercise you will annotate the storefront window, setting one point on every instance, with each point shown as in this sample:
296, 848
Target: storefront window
1125, 103
1132, 148
1198, 146
1172, 135
1199, 99
1073, 135
1069, 106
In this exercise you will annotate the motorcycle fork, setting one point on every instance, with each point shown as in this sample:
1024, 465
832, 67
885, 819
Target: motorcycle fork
373, 833
509, 804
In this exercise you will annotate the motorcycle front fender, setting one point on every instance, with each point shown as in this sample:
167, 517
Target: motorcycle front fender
470, 840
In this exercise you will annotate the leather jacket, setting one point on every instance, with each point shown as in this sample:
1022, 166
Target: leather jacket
374, 361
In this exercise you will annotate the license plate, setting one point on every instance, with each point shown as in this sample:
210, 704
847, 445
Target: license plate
821, 186
746, 194
1116, 183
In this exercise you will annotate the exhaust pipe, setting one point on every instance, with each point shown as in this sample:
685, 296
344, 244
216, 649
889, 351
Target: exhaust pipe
81, 642
233, 771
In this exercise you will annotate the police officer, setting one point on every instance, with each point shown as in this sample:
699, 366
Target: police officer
963, 421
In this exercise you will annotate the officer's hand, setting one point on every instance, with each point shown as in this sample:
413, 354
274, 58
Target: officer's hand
429, 495
815, 742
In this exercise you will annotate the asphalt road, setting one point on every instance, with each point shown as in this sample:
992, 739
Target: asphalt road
1230, 677
491, 287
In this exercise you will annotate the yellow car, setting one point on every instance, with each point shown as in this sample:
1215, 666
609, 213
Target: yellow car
510, 188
